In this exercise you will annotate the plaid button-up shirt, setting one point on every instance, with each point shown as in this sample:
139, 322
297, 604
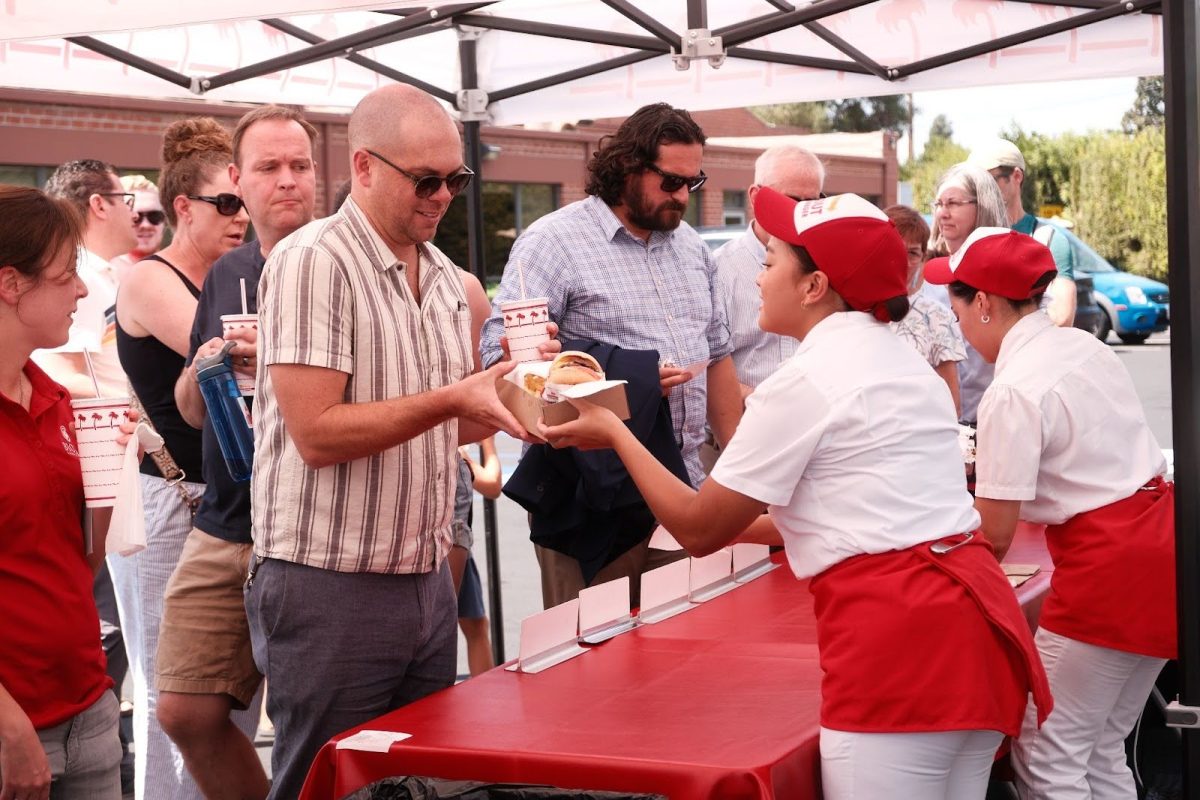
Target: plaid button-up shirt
603, 283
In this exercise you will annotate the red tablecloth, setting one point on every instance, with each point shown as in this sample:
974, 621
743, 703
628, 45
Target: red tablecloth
720, 702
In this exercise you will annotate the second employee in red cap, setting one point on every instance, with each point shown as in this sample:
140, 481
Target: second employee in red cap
1063, 442
852, 449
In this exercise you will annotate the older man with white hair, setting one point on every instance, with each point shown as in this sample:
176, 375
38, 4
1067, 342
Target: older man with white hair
797, 173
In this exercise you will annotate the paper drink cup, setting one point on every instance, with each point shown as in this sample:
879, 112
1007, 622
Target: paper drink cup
525, 326
97, 426
231, 322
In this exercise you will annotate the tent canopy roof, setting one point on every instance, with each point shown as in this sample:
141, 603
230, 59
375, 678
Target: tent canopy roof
553, 60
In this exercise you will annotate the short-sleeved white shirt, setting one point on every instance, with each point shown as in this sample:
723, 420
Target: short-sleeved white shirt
853, 445
1061, 427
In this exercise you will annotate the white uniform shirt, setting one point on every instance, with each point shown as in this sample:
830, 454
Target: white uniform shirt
853, 445
1061, 427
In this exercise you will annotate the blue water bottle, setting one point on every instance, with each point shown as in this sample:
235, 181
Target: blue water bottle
228, 412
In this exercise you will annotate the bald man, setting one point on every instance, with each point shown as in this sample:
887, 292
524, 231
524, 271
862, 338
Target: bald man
798, 173
368, 381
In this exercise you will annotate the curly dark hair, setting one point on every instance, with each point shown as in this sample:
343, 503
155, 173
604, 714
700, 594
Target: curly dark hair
635, 145
76, 182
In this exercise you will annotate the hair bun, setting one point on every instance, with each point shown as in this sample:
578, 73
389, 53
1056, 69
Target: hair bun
195, 136
893, 309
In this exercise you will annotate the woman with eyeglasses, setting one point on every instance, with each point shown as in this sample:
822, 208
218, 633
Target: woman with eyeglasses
967, 198
155, 310
149, 222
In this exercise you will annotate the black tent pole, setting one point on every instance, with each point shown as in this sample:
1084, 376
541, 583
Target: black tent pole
1181, 72
472, 106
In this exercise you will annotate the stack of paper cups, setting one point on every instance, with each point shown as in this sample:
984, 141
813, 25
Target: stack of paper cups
97, 426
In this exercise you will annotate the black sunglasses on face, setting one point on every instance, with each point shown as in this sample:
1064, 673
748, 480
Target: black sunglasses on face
227, 204
126, 197
672, 183
425, 186
153, 217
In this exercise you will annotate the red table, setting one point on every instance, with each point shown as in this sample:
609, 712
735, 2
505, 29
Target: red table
720, 702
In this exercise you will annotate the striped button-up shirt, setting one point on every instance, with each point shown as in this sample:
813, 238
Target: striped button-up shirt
603, 283
333, 295
756, 353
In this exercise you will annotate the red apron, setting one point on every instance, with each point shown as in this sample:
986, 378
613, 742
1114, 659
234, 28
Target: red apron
1114, 574
913, 641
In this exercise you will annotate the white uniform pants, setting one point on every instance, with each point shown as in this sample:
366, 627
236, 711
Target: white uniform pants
1079, 753
946, 765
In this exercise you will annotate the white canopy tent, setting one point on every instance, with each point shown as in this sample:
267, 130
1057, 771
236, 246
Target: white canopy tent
867, 47
525, 61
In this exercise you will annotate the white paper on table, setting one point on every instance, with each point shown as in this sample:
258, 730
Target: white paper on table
711, 575
604, 611
548, 638
127, 528
662, 539
372, 741
665, 592
751, 561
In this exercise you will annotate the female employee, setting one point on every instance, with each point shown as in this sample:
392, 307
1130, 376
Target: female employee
1060, 406
852, 447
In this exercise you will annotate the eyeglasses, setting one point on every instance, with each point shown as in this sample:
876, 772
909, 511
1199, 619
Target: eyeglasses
425, 186
227, 204
799, 199
951, 205
672, 183
153, 217
126, 197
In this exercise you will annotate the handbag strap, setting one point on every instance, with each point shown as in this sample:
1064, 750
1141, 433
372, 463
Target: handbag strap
172, 473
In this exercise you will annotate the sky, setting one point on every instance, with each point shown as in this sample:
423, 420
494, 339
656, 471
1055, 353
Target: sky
980, 113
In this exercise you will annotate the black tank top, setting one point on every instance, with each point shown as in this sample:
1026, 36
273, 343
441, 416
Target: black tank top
152, 369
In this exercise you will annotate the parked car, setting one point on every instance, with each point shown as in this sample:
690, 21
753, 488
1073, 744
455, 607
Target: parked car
1088, 316
1130, 305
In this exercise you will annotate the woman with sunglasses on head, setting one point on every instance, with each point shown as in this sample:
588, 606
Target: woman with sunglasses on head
1060, 406
149, 222
155, 309
927, 659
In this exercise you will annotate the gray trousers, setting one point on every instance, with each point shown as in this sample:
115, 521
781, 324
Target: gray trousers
85, 753
339, 649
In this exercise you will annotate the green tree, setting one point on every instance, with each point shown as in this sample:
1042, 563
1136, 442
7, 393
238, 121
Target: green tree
940, 153
853, 115
1149, 106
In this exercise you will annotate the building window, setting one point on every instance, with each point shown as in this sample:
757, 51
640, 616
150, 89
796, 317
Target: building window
695, 204
733, 209
508, 209
16, 175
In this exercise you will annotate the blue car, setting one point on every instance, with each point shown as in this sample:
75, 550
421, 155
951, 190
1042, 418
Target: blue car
1131, 306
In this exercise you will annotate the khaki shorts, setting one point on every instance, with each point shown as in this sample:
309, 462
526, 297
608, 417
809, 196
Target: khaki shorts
204, 640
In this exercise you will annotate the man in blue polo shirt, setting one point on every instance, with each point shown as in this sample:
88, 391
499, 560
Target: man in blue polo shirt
1004, 161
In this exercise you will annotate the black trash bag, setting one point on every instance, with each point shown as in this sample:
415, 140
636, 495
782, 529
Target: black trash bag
414, 788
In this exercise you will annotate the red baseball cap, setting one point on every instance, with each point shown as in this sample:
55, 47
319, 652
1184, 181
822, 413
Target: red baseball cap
998, 261
849, 239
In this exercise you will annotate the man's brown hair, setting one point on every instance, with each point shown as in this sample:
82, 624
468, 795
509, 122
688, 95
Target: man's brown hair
265, 113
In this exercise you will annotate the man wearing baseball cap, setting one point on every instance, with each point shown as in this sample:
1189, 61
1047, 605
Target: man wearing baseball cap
1004, 161
852, 447
1063, 442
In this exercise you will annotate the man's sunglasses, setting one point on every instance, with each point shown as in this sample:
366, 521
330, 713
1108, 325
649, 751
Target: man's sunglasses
672, 183
126, 197
153, 217
425, 186
227, 204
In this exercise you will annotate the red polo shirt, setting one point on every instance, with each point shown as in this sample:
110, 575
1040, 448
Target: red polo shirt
51, 660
